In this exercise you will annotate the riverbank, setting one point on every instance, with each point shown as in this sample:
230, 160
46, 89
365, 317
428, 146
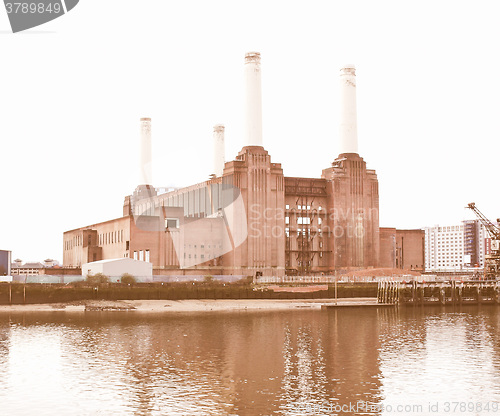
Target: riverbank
25, 294
189, 305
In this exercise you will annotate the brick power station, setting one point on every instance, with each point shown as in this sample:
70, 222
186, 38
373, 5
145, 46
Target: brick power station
249, 219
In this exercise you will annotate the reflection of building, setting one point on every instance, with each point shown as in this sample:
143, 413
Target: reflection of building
251, 219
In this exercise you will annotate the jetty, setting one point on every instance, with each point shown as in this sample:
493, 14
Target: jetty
452, 292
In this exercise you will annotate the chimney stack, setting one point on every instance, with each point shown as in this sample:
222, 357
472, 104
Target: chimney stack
219, 150
253, 98
348, 119
145, 167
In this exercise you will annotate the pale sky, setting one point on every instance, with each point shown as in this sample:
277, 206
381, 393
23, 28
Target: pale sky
73, 90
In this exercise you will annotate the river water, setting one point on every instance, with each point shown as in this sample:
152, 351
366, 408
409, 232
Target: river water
348, 361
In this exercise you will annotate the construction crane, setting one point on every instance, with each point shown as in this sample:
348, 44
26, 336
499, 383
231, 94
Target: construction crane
492, 260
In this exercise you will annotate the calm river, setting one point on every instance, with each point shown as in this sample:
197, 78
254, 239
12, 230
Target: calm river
347, 361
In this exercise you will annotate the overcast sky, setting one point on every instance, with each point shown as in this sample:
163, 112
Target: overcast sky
73, 90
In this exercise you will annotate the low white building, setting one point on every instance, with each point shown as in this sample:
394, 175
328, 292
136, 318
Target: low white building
115, 268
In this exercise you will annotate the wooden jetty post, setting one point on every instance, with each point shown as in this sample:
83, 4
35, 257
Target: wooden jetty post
439, 293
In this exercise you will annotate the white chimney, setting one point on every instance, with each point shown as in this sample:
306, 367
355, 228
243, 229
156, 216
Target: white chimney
219, 150
348, 119
145, 167
253, 100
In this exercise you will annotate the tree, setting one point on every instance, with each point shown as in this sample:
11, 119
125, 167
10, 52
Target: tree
128, 279
97, 279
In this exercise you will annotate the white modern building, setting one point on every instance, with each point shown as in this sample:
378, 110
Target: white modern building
455, 247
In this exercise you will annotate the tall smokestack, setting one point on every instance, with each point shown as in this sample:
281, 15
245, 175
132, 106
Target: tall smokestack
348, 119
253, 97
219, 151
145, 167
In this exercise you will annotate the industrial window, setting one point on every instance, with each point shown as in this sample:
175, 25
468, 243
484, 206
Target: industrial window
171, 223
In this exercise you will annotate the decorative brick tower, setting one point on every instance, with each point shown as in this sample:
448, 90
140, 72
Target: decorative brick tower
352, 190
261, 184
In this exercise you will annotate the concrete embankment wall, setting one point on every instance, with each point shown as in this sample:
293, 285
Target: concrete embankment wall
41, 293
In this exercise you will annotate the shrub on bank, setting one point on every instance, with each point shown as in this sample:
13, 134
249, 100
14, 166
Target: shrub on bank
97, 279
128, 279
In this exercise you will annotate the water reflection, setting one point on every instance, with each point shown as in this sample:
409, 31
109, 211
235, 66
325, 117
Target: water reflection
441, 356
245, 363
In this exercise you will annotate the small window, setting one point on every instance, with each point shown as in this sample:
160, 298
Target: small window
171, 223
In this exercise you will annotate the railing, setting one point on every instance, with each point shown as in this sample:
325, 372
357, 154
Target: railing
322, 279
